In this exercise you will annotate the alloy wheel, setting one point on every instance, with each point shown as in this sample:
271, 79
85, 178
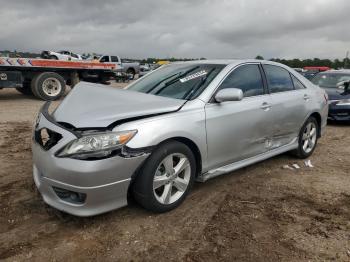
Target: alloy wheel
172, 178
309, 137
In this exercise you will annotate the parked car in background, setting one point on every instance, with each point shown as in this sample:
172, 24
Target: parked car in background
144, 69
131, 68
299, 70
183, 122
336, 84
310, 71
61, 55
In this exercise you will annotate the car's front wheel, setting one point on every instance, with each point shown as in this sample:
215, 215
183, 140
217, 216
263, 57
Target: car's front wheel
166, 177
307, 138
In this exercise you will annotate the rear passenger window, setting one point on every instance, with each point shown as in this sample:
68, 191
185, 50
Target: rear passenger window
278, 79
247, 78
297, 83
115, 59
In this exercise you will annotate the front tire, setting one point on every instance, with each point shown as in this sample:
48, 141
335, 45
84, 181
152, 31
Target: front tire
307, 138
166, 177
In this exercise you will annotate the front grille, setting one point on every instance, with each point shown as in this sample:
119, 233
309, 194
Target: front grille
47, 138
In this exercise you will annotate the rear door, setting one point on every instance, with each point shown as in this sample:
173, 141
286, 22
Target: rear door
289, 100
239, 129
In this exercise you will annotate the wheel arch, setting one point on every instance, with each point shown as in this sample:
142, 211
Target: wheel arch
195, 150
191, 145
318, 118
131, 69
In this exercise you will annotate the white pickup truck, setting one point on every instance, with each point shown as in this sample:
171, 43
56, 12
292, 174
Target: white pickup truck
131, 68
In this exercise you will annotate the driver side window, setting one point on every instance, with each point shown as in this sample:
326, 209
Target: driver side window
104, 59
247, 78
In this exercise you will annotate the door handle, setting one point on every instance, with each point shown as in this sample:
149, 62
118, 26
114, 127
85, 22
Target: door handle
306, 97
265, 106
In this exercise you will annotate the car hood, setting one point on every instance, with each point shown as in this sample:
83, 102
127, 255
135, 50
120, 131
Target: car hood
94, 105
337, 94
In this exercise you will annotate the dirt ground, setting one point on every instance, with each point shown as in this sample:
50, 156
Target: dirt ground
259, 213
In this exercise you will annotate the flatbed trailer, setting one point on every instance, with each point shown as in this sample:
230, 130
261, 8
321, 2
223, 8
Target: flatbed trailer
47, 79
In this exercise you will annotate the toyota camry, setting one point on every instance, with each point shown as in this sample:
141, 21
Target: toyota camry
184, 122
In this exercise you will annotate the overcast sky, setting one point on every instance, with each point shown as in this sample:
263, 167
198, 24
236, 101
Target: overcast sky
182, 28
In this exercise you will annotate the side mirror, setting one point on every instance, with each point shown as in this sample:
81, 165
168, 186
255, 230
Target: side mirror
229, 94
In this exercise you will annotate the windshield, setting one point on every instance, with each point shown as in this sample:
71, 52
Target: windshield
329, 80
180, 81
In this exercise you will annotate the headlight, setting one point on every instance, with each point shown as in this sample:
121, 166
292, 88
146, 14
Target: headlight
97, 145
344, 102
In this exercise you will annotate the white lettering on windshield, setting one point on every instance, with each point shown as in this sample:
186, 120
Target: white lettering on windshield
193, 76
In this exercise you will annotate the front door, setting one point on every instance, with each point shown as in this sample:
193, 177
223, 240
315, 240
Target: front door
238, 130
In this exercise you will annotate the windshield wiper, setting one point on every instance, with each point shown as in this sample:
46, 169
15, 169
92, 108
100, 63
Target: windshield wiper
170, 82
161, 81
195, 88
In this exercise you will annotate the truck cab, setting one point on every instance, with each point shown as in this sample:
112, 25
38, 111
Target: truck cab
131, 68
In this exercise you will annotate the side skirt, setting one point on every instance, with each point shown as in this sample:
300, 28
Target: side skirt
246, 162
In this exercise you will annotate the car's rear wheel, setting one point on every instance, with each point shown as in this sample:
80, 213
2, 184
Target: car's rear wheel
307, 138
166, 177
131, 73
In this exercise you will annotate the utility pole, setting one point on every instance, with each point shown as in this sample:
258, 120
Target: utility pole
346, 60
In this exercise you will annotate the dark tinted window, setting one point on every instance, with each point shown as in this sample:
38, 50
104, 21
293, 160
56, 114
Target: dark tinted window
247, 78
115, 59
278, 79
297, 83
104, 59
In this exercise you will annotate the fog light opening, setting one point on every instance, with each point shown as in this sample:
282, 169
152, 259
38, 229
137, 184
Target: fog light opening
70, 196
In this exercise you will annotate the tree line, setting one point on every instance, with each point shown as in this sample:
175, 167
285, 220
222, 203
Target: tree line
294, 63
300, 63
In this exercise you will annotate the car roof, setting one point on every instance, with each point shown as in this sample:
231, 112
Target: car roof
229, 61
340, 71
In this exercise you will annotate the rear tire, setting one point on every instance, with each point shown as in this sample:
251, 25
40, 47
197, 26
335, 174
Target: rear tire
166, 177
131, 73
48, 86
307, 140
53, 57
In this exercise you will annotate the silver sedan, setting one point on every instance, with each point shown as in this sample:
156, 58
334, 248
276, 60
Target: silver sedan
183, 122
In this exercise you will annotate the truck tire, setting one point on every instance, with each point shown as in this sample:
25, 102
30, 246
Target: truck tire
48, 86
53, 57
131, 73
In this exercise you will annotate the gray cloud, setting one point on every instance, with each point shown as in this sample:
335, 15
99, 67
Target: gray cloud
185, 28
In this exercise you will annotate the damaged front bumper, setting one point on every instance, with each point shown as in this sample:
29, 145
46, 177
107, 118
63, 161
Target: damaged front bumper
80, 187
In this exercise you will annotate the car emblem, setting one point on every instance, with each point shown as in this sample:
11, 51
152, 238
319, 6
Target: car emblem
3, 76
